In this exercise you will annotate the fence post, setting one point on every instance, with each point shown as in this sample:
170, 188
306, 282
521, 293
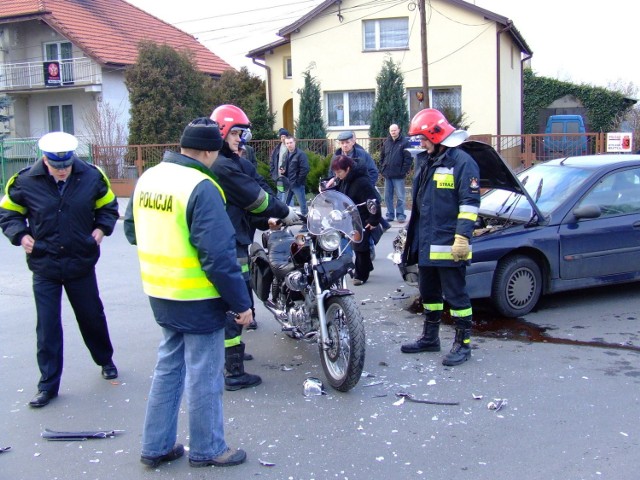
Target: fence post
139, 163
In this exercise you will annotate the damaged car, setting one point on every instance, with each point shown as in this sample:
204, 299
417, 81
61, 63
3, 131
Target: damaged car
565, 224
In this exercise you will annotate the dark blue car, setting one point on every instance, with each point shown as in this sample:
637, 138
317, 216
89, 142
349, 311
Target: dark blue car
564, 224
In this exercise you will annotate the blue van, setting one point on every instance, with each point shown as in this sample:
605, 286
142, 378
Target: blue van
574, 144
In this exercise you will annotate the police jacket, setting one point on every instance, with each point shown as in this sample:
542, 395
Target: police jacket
211, 233
296, 168
446, 197
60, 224
395, 161
362, 158
357, 187
247, 195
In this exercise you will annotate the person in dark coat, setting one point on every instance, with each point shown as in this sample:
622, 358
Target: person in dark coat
395, 163
355, 184
296, 170
59, 210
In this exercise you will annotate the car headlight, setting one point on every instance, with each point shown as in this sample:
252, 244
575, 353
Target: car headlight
330, 241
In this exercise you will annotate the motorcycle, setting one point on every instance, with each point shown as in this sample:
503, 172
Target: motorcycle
301, 280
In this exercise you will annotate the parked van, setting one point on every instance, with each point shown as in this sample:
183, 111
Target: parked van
574, 144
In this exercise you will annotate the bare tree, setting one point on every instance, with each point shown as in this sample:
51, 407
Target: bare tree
108, 136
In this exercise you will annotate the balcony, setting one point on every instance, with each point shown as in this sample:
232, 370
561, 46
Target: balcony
31, 75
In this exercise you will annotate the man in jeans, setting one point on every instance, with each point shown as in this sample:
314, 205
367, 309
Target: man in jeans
395, 163
296, 170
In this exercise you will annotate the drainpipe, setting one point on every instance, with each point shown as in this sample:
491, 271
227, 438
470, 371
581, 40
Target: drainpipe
498, 91
522, 92
268, 71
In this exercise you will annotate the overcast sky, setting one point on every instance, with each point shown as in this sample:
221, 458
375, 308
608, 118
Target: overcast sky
572, 40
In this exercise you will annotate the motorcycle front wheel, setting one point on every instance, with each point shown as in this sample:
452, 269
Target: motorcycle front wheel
343, 361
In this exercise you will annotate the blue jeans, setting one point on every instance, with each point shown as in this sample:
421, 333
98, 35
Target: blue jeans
299, 192
194, 361
396, 185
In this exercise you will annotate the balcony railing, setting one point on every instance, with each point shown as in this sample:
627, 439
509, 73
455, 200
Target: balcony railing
74, 71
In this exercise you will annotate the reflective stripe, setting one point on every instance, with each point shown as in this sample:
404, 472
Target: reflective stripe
9, 204
433, 307
467, 312
469, 208
444, 180
109, 196
232, 342
468, 216
443, 252
261, 203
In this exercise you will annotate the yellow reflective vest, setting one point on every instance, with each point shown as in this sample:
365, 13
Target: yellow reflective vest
169, 263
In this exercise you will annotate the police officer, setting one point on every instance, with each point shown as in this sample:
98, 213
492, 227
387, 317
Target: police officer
186, 249
250, 204
59, 210
446, 197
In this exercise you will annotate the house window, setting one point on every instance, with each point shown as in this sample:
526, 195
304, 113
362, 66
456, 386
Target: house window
350, 109
61, 118
447, 100
61, 52
386, 34
288, 73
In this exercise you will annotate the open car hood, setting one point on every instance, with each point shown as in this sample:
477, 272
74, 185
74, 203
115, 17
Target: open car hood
494, 172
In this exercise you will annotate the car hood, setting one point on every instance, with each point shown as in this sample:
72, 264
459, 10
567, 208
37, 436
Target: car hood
494, 172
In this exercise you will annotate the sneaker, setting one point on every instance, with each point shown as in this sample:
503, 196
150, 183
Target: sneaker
231, 457
176, 452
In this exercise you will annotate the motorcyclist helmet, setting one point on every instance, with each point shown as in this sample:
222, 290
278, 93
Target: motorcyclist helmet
432, 125
229, 117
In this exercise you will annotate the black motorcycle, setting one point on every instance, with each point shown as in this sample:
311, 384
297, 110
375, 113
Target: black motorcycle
301, 280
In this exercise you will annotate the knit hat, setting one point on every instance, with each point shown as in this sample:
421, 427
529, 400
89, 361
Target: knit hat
283, 131
202, 134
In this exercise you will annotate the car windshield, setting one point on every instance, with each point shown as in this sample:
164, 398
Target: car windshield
548, 186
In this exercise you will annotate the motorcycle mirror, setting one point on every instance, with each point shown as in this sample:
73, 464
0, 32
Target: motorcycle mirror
372, 206
313, 386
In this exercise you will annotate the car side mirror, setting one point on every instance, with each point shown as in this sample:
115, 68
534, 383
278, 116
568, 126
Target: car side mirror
587, 211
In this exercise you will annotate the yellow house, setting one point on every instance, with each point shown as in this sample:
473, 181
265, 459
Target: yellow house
475, 61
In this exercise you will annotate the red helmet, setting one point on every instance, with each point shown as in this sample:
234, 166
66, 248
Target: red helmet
435, 127
229, 116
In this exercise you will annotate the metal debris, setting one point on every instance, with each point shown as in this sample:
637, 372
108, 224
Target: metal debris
497, 404
80, 435
476, 397
374, 383
411, 398
264, 463
313, 386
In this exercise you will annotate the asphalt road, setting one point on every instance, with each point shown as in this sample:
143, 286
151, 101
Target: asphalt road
572, 402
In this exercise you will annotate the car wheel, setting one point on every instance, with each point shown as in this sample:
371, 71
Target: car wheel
517, 285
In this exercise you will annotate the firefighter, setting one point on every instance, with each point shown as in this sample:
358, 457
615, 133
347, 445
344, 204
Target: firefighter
446, 197
250, 203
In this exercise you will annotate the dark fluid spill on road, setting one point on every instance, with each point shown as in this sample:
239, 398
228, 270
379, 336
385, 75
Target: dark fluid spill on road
490, 325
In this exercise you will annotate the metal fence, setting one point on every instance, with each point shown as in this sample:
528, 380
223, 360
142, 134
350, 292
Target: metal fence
124, 164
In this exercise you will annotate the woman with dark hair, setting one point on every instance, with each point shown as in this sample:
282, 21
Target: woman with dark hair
355, 184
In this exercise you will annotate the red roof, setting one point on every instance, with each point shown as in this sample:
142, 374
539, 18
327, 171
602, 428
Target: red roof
109, 30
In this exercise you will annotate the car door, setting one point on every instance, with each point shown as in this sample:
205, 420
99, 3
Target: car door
610, 243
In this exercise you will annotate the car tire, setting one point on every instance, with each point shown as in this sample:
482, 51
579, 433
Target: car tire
517, 286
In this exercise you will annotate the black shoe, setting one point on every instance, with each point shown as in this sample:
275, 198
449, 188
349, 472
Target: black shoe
109, 371
176, 452
42, 398
238, 382
253, 325
229, 458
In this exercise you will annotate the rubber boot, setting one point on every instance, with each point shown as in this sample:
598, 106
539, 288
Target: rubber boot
429, 341
461, 349
236, 378
246, 356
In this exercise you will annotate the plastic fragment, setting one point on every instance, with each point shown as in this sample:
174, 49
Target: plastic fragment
497, 404
264, 463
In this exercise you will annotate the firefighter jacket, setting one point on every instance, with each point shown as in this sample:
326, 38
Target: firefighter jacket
395, 160
446, 198
186, 246
247, 195
60, 224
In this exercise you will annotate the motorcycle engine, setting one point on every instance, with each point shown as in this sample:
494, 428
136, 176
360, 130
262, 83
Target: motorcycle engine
299, 317
296, 281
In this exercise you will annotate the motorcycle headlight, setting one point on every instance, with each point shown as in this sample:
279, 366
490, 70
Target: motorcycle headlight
330, 241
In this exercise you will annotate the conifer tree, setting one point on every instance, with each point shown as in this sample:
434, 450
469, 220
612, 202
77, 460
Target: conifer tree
391, 105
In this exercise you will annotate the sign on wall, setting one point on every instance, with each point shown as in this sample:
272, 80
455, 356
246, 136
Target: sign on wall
619, 142
52, 74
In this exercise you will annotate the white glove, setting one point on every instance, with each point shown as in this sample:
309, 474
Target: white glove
292, 218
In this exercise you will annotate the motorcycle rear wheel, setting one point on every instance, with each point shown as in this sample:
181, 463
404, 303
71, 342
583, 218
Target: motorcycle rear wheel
344, 360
